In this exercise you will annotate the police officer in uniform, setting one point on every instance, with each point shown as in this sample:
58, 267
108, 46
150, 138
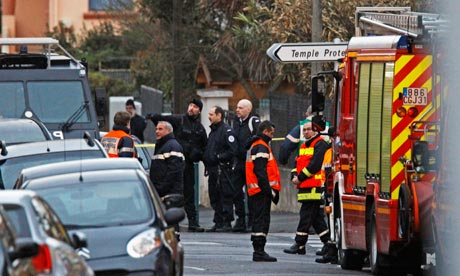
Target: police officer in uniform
263, 183
118, 142
245, 125
218, 157
191, 134
309, 176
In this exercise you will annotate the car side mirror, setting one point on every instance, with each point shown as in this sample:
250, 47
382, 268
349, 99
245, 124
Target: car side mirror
25, 248
79, 240
317, 94
174, 215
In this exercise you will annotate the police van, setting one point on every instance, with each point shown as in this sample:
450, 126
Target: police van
49, 85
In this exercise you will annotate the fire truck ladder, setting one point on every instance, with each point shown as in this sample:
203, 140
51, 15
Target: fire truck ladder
397, 20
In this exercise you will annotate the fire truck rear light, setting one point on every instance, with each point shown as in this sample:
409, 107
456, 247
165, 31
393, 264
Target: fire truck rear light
401, 112
328, 209
43, 261
412, 112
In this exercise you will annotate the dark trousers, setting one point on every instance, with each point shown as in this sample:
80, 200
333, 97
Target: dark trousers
309, 215
220, 193
189, 191
261, 205
239, 184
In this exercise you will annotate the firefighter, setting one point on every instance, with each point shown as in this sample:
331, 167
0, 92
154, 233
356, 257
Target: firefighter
309, 176
293, 141
118, 142
218, 157
263, 183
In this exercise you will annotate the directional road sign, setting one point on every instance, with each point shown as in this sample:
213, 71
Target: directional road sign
306, 52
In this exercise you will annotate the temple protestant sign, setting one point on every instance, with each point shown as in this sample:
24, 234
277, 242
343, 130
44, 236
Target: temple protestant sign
306, 52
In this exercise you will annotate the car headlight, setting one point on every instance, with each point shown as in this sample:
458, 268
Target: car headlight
143, 244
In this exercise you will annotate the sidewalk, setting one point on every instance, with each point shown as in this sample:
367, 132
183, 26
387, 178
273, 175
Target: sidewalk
281, 222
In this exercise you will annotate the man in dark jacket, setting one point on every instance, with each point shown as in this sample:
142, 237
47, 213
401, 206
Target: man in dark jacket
167, 166
217, 159
191, 134
245, 126
137, 123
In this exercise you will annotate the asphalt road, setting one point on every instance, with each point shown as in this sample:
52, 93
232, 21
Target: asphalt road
231, 253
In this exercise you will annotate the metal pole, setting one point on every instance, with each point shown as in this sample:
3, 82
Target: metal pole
316, 31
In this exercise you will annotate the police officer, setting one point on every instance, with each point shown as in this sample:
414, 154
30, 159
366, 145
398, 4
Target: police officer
137, 123
309, 176
118, 142
245, 125
191, 134
263, 183
218, 157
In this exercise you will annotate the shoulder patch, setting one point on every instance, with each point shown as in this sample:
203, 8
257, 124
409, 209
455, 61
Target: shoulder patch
231, 138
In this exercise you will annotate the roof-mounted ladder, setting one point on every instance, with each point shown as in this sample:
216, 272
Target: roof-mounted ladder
397, 20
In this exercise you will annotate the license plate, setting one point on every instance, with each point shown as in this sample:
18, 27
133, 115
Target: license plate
415, 96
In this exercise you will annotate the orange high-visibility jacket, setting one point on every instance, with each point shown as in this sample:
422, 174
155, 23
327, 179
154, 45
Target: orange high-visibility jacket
111, 140
273, 173
303, 159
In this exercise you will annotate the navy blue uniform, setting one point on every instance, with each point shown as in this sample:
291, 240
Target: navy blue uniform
191, 134
218, 157
244, 130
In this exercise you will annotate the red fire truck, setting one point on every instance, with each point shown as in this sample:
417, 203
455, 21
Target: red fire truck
386, 113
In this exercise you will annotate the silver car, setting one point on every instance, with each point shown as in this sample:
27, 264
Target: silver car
33, 218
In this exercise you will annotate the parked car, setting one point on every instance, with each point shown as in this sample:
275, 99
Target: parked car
15, 131
33, 218
126, 224
14, 158
65, 167
15, 253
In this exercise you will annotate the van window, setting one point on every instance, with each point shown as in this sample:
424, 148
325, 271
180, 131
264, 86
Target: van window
12, 103
57, 101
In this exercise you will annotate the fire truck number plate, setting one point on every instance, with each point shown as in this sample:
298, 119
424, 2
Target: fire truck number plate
415, 96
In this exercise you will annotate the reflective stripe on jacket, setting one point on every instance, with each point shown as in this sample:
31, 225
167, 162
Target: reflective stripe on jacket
273, 174
111, 140
304, 194
303, 160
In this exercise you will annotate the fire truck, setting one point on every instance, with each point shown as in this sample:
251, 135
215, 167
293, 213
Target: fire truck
386, 113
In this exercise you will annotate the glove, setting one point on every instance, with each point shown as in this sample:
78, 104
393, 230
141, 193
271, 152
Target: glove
196, 155
275, 196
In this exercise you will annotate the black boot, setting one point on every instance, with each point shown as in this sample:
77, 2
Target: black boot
330, 256
296, 249
259, 254
323, 250
240, 225
262, 256
193, 226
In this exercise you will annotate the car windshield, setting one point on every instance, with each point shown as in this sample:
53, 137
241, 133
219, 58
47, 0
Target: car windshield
50, 101
99, 204
22, 133
10, 168
18, 217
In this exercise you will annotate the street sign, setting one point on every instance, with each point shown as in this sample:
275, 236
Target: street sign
306, 52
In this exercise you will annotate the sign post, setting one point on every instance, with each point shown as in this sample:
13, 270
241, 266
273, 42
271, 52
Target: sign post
306, 52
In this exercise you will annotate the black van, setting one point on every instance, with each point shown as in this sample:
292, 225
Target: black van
47, 86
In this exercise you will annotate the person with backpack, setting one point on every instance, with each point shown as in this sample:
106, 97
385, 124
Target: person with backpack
245, 126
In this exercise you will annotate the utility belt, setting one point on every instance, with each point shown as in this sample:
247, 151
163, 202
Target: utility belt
305, 194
